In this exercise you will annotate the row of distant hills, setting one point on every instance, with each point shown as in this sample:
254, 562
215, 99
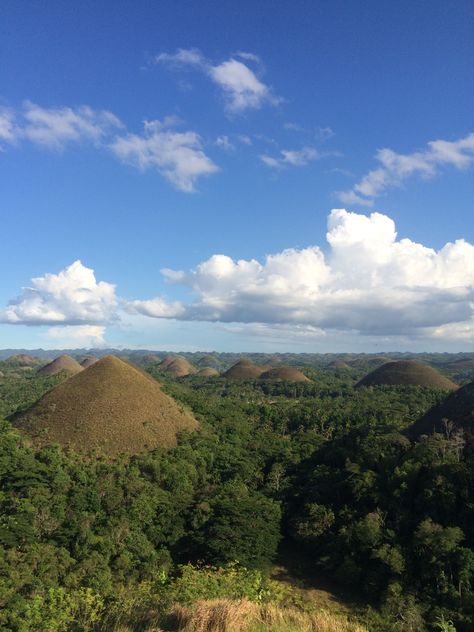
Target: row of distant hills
115, 405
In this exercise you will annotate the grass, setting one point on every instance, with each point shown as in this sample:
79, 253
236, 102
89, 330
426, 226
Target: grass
223, 615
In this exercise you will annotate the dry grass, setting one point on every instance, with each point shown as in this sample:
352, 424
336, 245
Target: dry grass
112, 407
244, 370
63, 363
223, 615
177, 366
407, 372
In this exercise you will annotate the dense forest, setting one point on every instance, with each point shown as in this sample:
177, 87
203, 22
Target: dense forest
318, 476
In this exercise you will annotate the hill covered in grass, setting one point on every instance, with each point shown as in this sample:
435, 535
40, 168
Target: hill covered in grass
244, 370
407, 372
63, 363
284, 374
112, 407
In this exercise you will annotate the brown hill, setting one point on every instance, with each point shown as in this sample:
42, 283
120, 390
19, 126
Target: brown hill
177, 366
284, 374
89, 361
208, 372
338, 364
63, 363
112, 407
21, 359
458, 407
407, 372
244, 370
208, 361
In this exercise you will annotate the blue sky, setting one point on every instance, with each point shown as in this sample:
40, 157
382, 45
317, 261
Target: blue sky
213, 141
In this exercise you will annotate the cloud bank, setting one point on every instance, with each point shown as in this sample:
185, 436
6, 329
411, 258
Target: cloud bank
242, 90
396, 168
368, 282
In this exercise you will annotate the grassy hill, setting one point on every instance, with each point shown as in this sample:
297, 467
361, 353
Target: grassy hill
111, 406
407, 372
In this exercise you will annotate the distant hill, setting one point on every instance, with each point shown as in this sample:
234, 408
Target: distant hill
89, 361
208, 360
111, 406
407, 372
208, 372
284, 374
338, 364
458, 407
177, 366
63, 363
244, 370
21, 359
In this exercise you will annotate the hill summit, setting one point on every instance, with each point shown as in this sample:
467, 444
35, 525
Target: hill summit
110, 406
177, 366
63, 363
407, 372
284, 374
244, 370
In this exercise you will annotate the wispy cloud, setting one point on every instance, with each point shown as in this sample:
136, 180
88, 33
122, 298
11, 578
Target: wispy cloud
291, 158
241, 87
56, 127
178, 156
8, 128
395, 168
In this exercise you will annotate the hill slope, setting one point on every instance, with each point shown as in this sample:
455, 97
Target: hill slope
284, 374
177, 366
407, 372
111, 406
458, 407
244, 370
63, 363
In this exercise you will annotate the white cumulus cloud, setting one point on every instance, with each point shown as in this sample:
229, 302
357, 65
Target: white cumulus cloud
395, 168
178, 156
241, 88
367, 281
71, 297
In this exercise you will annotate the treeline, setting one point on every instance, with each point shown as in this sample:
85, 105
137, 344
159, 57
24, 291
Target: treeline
324, 472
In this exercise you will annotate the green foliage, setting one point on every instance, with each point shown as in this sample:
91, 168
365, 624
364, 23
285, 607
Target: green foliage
321, 466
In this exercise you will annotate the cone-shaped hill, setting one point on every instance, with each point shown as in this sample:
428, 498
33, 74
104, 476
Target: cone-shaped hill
284, 374
21, 359
407, 372
177, 366
244, 370
458, 407
89, 361
208, 372
63, 363
338, 364
208, 361
112, 407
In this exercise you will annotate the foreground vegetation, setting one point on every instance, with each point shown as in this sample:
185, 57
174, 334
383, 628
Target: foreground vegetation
182, 538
